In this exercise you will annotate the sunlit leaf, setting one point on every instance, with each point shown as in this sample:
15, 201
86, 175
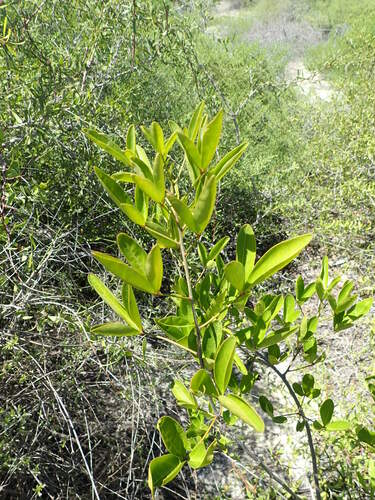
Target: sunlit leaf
278, 257
173, 436
242, 410
224, 363
104, 292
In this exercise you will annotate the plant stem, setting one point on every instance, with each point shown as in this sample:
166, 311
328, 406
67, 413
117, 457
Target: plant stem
190, 290
307, 425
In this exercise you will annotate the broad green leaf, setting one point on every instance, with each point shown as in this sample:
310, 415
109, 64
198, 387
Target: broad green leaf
196, 121
366, 436
130, 139
266, 405
202, 382
277, 337
205, 204
228, 161
105, 143
175, 326
184, 213
300, 287
338, 425
307, 383
114, 330
360, 309
200, 456
345, 290
169, 143
133, 213
242, 410
165, 239
124, 272
158, 172
183, 396
130, 305
191, 152
324, 271
235, 274
278, 257
173, 436
217, 248
345, 304
143, 156
224, 363
202, 252
141, 203
290, 314
246, 249
155, 136
162, 470
240, 365
217, 306
114, 190
123, 177
133, 252
154, 268
326, 411
149, 188
320, 290
104, 292
143, 169
308, 292
210, 139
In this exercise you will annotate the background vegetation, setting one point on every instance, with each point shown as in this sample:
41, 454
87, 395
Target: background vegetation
73, 413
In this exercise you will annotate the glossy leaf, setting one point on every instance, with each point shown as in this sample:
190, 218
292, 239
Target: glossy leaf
155, 136
200, 456
158, 175
191, 152
149, 188
130, 305
103, 291
360, 309
154, 268
162, 470
133, 213
204, 205
234, 272
130, 139
326, 411
105, 143
338, 425
114, 190
202, 382
133, 252
165, 239
210, 139
184, 213
114, 330
183, 396
242, 410
246, 249
173, 436
175, 326
124, 272
196, 121
217, 248
277, 337
278, 257
224, 363
228, 161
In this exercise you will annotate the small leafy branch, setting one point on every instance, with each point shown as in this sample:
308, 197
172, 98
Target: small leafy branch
216, 320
